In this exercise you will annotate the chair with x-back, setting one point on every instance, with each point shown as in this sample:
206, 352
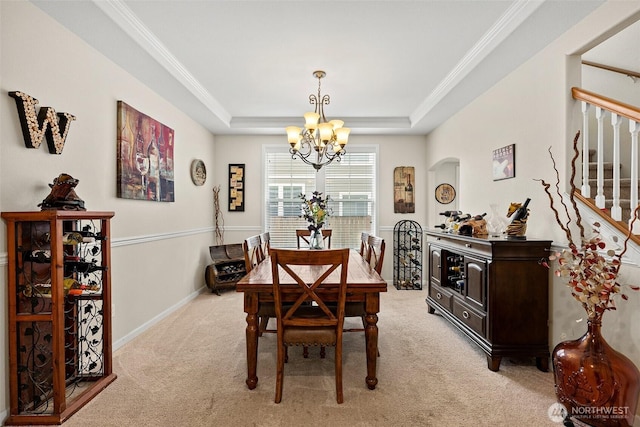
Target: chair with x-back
252, 252
265, 244
375, 257
254, 255
305, 324
364, 244
304, 236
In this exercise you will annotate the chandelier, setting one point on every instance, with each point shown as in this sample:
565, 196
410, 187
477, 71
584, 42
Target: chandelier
320, 142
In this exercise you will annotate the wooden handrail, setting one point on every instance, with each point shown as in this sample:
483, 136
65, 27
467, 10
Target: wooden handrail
620, 108
621, 226
628, 73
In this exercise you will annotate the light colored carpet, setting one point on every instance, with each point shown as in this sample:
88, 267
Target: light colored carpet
190, 370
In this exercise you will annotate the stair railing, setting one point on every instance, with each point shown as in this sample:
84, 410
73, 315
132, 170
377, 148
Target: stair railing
617, 110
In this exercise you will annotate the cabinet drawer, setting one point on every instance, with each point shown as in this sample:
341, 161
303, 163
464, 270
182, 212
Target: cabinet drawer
441, 296
469, 317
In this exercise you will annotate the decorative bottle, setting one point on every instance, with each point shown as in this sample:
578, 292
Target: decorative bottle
408, 194
522, 212
153, 187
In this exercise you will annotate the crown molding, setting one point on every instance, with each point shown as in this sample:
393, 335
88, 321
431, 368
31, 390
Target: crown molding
124, 17
517, 13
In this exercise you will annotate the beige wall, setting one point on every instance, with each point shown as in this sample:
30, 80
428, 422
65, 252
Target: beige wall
532, 107
393, 151
159, 250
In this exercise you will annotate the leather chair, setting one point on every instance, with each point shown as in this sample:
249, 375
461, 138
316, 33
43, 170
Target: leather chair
304, 324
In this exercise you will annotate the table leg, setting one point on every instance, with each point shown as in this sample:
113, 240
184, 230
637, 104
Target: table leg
372, 307
251, 308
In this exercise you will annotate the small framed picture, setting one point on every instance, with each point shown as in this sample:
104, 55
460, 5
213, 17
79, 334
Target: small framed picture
504, 162
236, 187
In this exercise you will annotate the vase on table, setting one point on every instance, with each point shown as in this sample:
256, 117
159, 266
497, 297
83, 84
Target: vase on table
315, 240
597, 385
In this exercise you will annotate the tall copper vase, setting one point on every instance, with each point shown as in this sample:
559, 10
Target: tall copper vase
598, 385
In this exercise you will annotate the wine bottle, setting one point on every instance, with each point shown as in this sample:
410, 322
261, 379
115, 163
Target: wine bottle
408, 192
443, 226
42, 256
522, 212
451, 213
90, 236
153, 154
479, 217
82, 267
455, 268
464, 217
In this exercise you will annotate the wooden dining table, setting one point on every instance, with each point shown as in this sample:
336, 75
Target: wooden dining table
364, 284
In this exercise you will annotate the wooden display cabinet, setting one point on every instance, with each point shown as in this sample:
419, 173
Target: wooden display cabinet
59, 303
495, 291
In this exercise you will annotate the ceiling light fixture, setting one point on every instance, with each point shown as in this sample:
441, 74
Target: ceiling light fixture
320, 142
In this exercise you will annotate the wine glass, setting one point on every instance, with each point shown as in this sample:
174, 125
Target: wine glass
142, 164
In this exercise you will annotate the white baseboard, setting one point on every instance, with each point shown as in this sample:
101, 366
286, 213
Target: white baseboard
131, 335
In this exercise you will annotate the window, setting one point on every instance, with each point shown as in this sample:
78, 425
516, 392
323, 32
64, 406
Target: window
351, 184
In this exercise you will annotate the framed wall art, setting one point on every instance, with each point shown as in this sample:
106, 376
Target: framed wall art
236, 187
145, 157
403, 191
504, 162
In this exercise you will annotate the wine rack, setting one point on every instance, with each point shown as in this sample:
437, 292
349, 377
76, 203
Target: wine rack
455, 272
59, 316
407, 251
228, 267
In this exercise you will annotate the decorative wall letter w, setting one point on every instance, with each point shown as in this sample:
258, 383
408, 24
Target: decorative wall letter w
46, 123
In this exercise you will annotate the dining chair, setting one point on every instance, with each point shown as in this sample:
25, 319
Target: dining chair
254, 255
364, 244
375, 255
252, 252
265, 244
375, 258
304, 236
305, 324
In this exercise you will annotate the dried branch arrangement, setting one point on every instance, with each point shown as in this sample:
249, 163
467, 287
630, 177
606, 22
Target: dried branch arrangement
219, 219
592, 277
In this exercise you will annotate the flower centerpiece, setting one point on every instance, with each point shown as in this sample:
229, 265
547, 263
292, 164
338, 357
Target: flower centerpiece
590, 376
315, 211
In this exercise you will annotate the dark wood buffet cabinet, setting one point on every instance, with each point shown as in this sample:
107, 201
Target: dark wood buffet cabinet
495, 291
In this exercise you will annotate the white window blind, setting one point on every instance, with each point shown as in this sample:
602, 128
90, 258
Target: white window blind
351, 184
352, 187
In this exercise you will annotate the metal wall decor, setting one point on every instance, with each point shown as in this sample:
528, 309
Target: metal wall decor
236, 187
46, 123
403, 191
504, 162
145, 157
